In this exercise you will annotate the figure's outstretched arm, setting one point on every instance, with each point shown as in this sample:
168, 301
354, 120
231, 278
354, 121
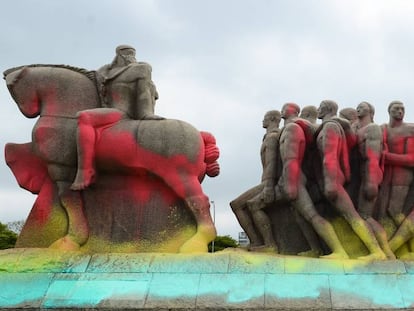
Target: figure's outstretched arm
406, 159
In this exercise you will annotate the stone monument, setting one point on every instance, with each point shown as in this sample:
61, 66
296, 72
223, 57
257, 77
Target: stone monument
346, 171
121, 221
110, 175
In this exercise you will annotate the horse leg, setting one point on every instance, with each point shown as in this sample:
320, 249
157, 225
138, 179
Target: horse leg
206, 232
199, 205
78, 231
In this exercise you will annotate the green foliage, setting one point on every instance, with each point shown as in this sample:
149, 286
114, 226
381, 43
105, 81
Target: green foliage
221, 242
7, 237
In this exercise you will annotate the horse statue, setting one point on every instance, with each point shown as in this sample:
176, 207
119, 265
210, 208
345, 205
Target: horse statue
172, 150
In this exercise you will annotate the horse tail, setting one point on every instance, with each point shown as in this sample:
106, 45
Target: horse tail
211, 154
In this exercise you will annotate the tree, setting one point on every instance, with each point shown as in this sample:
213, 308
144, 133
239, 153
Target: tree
221, 242
16, 226
7, 237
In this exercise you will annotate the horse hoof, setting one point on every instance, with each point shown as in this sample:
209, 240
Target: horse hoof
192, 247
65, 244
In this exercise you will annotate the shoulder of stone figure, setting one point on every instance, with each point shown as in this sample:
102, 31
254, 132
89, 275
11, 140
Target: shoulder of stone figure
344, 123
372, 131
373, 127
271, 137
410, 127
308, 129
140, 70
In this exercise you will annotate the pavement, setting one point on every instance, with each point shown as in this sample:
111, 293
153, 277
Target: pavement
44, 279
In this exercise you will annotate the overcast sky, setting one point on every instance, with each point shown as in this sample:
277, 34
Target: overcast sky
219, 65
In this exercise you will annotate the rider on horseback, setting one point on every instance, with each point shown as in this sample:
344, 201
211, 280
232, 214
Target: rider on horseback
126, 91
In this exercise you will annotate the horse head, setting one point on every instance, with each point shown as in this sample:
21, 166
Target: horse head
52, 90
22, 91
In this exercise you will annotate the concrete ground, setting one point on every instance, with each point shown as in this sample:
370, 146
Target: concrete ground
40, 279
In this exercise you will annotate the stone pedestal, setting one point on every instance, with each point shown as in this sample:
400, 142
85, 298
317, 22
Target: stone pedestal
40, 279
125, 214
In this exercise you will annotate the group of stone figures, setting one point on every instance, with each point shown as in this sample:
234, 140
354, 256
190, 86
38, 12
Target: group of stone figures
346, 167
103, 123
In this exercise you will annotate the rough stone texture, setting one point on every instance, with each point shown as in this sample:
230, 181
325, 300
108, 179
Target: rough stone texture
41, 279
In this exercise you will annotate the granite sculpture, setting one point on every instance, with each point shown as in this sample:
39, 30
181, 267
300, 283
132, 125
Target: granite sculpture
348, 178
108, 172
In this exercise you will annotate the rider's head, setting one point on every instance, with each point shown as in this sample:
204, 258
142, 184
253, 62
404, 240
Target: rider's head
125, 55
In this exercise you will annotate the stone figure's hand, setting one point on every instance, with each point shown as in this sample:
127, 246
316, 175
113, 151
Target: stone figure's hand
370, 191
268, 194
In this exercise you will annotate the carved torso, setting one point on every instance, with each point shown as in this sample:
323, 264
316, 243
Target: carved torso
400, 140
119, 88
268, 154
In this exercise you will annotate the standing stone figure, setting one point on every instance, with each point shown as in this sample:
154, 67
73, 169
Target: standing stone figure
253, 220
369, 138
335, 171
398, 170
399, 162
292, 182
126, 91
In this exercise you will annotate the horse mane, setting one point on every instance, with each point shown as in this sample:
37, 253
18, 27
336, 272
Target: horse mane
90, 74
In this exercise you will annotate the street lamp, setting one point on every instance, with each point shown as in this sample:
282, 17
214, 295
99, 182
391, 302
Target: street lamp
214, 221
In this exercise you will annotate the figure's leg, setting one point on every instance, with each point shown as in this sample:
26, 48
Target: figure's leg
304, 205
88, 123
396, 204
404, 233
244, 217
310, 236
206, 231
78, 230
411, 244
262, 222
381, 237
346, 208
366, 210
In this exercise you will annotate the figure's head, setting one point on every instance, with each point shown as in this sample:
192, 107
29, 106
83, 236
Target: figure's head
309, 113
271, 117
349, 114
396, 110
327, 108
125, 55
290, 110
364, 109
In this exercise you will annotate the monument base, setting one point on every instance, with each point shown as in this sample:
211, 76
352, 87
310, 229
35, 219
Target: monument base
40, 279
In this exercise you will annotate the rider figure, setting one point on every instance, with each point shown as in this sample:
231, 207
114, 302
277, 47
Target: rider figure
126, 91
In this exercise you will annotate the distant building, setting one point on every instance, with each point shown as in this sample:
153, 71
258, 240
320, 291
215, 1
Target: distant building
243, 239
